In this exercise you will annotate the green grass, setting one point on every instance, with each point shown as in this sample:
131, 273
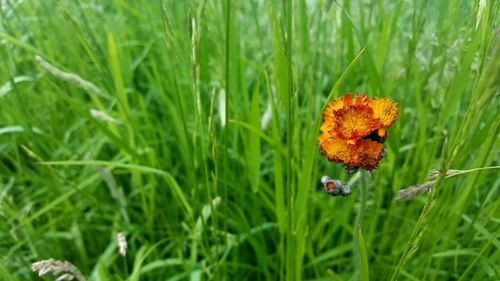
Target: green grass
208, 158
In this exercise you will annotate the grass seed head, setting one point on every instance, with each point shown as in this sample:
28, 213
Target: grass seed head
122, 243
63, 270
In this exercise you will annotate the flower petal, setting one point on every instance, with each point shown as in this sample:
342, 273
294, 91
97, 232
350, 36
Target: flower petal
337, 150
323, 137
385, 110
348, 99
329, 110
355, 121
361, 100
369, 154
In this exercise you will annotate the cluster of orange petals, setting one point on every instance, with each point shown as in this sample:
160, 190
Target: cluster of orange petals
354, 129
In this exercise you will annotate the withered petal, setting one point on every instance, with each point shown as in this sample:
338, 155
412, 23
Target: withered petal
369, 154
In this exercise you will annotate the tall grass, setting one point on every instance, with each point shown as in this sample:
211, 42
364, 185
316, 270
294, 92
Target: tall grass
197, 139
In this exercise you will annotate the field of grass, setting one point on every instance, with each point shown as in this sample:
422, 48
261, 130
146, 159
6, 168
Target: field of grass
191, 127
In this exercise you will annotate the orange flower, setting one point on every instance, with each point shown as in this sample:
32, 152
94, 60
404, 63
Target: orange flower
354, 129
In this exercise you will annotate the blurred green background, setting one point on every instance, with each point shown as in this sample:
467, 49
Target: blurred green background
191, 127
